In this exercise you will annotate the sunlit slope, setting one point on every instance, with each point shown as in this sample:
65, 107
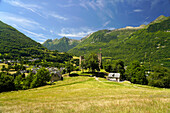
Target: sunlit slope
150, 44
85, 94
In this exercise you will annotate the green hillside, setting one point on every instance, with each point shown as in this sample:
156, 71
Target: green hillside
63, 45
16, 43
87, 95
148, 44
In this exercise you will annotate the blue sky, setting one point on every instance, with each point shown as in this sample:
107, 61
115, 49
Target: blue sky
50, 19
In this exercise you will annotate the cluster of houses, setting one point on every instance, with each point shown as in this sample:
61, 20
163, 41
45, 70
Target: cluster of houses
55, 72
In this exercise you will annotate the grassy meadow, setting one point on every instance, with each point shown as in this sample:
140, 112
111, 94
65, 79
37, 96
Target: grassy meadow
87, 95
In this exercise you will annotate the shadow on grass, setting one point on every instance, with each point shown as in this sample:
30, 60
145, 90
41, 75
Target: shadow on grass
68, 84
92, 74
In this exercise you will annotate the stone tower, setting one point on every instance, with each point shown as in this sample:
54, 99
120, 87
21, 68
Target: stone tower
100, 59
80, 60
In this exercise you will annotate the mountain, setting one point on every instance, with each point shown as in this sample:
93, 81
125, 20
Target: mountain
16, 43
63, 45
149, 44
104, 39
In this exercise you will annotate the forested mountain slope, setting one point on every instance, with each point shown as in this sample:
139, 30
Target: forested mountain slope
149, 44
63, 45
15, 43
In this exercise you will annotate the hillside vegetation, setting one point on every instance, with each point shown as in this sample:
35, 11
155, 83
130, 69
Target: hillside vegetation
87, 95
63, 45
14, 45
150, 44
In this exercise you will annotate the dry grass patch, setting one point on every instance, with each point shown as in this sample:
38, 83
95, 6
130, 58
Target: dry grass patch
86, 95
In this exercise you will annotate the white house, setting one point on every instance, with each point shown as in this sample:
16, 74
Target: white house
114, 77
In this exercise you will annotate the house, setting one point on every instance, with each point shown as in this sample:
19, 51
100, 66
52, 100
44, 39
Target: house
114, 77
55, 76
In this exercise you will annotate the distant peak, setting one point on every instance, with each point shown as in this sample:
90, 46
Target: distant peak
159, 19
161, 16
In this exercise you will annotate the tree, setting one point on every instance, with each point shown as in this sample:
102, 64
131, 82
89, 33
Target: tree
116, 67
69, 67
119, 68
42, 76
3, 68
108, 66
6, 82
136, 73
28, 80
160, 77
93, 63
18, 82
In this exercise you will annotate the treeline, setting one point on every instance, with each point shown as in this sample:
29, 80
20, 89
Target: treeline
163, 26
137, 73
19, 81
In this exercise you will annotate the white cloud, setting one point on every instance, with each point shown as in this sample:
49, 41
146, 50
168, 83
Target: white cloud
57, 16
137, 10
41, 36
84, 5
14, 19
37, 9
106, 23
35, 36
31, 7
66, 5
146, 23
111, 28
153, 3
98, 4
72, 32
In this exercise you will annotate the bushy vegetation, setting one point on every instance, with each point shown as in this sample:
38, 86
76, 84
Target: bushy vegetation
92, 62
6, 82
135, 73
115, 67
160, 77
10, 82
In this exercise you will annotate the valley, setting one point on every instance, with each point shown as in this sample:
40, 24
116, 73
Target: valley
121, 70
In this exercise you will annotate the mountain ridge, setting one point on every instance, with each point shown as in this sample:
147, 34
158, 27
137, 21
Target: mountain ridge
62, 44
149, 43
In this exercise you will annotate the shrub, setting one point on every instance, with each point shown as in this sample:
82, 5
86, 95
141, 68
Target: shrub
18, 82
6, 82
160, 77
40, 79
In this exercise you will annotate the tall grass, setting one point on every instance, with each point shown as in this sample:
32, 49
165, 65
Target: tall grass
86, 95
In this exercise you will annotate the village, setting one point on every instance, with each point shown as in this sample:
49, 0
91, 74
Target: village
55, 72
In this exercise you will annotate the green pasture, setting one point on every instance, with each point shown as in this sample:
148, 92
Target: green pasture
87, 95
